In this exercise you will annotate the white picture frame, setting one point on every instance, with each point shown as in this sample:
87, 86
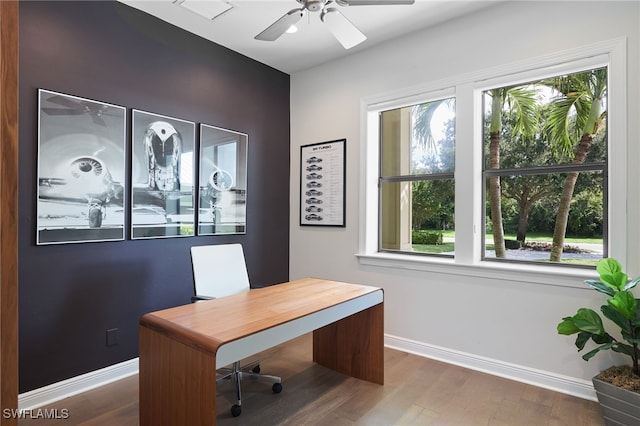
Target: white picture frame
81, 170
222, 191
162, 176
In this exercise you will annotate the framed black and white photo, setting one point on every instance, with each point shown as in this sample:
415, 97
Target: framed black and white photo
322, 183
162, 176
81, 169
222, 195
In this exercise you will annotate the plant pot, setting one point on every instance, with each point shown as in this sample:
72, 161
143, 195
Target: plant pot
619, 406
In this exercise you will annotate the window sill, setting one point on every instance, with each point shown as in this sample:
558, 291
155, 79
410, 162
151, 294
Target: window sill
532, 274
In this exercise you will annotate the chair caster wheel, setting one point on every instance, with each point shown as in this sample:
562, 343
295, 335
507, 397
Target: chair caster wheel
236, 410
276, 388
256, 369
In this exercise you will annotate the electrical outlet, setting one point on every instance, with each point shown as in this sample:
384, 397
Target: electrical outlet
112, 337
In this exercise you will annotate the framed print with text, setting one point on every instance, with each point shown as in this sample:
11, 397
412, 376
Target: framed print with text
81, 169
222, 192
322, 183
162, 176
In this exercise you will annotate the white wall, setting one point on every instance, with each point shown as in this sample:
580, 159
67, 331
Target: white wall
506, 327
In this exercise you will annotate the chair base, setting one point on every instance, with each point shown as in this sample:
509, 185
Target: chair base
250, 371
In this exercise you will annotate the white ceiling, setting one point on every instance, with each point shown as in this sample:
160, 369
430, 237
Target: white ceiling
313, 44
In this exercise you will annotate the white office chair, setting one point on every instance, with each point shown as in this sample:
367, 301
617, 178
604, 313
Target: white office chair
219, 271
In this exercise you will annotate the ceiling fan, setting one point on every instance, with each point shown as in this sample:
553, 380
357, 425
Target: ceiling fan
342, 29
71, 107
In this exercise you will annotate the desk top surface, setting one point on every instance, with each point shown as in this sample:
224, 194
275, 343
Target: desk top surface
212, 323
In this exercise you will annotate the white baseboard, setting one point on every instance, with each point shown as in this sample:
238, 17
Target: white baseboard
544, 379
75, 385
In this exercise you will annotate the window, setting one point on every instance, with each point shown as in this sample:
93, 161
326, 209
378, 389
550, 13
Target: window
545, 169
416, 184
408, 185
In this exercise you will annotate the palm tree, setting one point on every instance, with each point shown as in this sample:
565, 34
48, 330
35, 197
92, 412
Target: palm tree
574, 119
521, 102
432, 199
422, 117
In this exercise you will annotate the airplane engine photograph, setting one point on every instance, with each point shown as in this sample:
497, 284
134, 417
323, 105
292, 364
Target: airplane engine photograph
223, 181
81, 169
162, 182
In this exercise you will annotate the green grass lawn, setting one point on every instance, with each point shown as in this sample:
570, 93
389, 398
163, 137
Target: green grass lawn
450, 246
549, 238
432, 248
532, 236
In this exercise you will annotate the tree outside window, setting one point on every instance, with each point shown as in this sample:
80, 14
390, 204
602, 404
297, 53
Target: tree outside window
545, 169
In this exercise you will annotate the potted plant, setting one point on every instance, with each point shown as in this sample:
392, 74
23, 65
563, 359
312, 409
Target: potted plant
617, 388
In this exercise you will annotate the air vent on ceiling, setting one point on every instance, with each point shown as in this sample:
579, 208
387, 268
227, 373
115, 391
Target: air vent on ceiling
210, 9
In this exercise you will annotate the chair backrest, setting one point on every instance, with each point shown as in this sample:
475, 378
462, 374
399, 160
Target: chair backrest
219, 270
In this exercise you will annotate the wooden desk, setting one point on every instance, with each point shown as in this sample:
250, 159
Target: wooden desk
181, 348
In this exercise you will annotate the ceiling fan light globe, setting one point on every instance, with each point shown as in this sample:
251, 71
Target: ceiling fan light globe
275, 30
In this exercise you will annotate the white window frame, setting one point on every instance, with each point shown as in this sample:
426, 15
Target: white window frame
468, 165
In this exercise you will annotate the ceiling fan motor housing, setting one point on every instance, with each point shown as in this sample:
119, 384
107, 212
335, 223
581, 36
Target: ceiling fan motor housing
313, 5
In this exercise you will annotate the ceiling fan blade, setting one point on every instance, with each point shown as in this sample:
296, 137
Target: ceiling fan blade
62, 111
341, 28
275, 30
61, 100
373, 2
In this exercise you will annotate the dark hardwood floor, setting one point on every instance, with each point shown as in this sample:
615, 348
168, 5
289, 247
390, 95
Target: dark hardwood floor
417, 391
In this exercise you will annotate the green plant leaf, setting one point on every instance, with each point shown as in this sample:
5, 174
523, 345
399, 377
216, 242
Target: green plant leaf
567, 327
611, 273
614, 315
623, 349
636, 320
588, 320
632, 283
602, 338
591, 353
619, 280
582, 339
608, 266
622, 308
601, 287
625, 303
632, 340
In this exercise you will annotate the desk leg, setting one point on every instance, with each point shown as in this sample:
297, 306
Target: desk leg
353, 345
177, 382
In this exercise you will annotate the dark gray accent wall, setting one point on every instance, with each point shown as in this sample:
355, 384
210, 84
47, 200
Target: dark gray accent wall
71, 294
